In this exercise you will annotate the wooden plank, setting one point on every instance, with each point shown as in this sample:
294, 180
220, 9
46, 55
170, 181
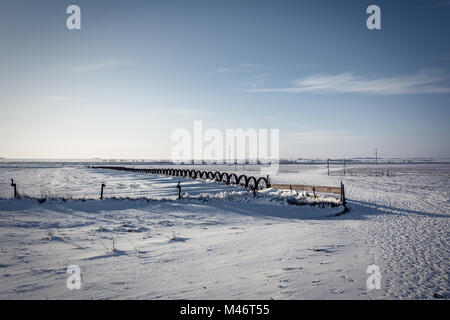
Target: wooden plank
307, 188
328, 189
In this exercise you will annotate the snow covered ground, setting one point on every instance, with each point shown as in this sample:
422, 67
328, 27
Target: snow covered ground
219, 242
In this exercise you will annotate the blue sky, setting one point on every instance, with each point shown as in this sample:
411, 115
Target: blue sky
138, 70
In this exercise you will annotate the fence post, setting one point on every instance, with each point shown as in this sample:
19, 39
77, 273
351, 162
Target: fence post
342, 194
15, 189
314, 191
268, 182
101, 193
179, 190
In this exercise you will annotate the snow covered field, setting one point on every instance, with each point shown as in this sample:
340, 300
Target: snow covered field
223, 244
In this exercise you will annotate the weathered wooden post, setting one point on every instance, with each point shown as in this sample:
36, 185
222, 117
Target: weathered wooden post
342, 194
179, 190
328, 166
101, 193
15, 189
344, 167
314, 191
268, 182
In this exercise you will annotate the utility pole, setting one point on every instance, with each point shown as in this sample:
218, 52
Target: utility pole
376, 156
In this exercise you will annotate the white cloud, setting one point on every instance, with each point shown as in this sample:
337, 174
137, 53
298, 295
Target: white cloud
95, 67
425, 82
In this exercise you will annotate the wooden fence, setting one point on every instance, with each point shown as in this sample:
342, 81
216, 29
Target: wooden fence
231, 178
324, 189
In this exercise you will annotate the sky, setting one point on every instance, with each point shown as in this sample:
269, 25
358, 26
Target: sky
138, 70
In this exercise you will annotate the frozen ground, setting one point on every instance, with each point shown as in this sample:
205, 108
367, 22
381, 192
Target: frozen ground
224, 246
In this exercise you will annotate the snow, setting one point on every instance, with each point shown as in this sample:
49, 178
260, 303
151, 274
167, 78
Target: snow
219, 242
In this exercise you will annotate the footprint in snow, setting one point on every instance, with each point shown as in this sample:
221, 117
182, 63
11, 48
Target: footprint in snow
347, 278
335, 291
316, 282
291, 268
